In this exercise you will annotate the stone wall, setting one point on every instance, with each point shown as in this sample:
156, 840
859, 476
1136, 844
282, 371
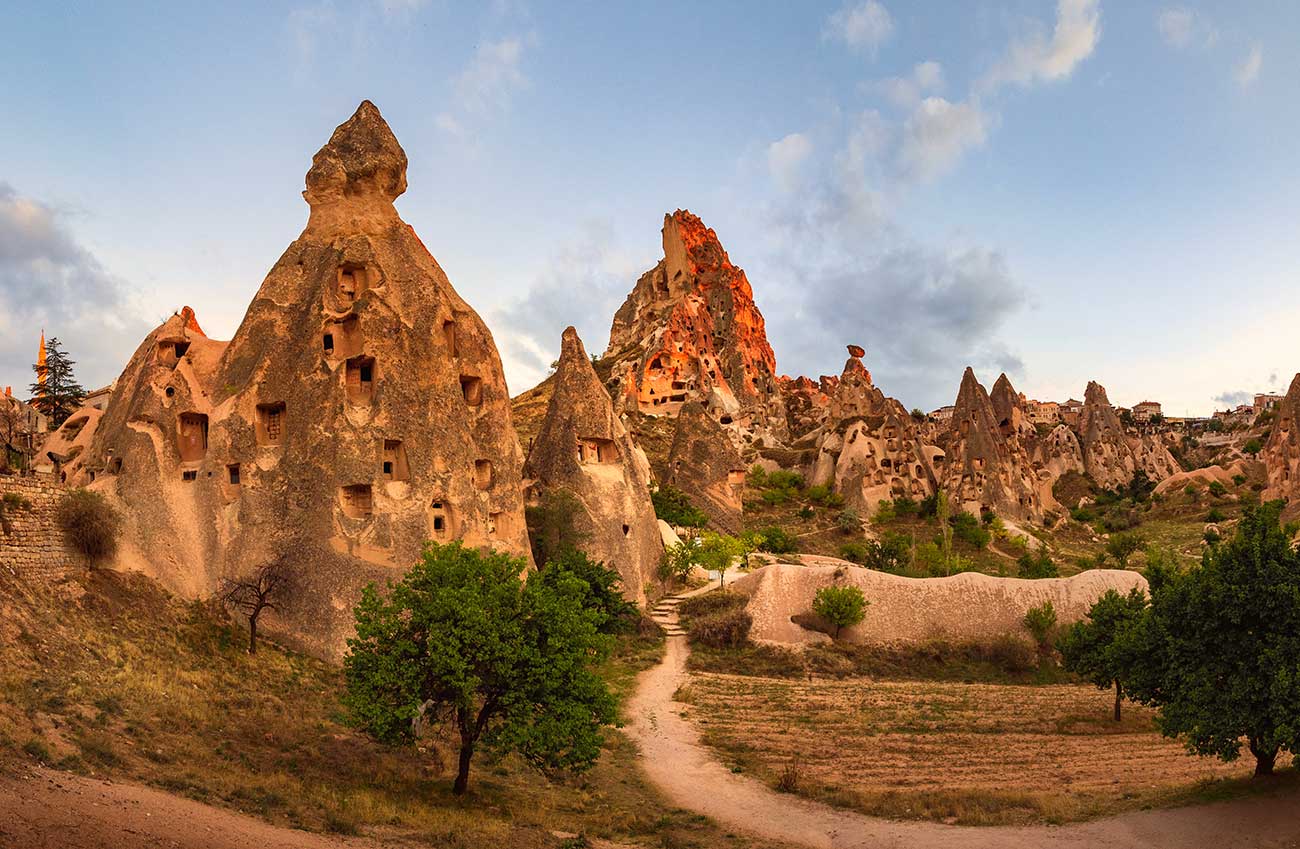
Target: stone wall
34, 546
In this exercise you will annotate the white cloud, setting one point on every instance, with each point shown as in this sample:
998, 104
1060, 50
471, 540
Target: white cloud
937, 134
864, 26
1181, 27
906, 92
1247, 70
1034, 57
786, 157
487, 84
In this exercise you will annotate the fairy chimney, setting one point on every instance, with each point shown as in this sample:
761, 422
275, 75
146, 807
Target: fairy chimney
706, 466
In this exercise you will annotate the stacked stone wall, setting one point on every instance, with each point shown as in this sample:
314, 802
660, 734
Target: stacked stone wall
31, 542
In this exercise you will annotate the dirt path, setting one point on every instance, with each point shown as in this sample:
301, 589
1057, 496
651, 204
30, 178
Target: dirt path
57, 810
692, 778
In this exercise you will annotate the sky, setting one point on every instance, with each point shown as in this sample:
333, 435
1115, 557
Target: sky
1064, 191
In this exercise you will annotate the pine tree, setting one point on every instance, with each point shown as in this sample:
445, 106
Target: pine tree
56, 392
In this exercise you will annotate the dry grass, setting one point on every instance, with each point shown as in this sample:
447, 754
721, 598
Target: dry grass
975, 754
109, 676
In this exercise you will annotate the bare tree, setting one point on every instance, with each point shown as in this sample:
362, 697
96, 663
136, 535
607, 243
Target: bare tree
13, 425
268, 587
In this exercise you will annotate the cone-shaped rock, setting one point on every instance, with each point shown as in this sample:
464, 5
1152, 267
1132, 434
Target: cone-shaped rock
360, 410
705, 465
984, 470
870, 449
584, 450
690, 331
1282, 453
1009, 409
1107, 454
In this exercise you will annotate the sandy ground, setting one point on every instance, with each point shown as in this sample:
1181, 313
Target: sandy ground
56, 810
678, 764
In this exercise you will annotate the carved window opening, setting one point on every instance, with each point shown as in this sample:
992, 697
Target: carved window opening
115, 465
193, 436
726, 420
736, 477
233, 472
593, 449
170, 391
393, 461
360, 380
483, 474
270, 423
439, 519
449, 336
170, 352
190, 475
494, 522
627, 529
472, 389
352, 281
357, 501
327, 343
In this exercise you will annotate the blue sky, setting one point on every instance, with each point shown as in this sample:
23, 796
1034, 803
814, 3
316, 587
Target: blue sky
1067, 191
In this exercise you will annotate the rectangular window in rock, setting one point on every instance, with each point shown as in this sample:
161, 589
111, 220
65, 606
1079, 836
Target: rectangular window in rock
356, 500
169, 352
352, 281
439, 519
393, 461
190, 475
449, 336
494, 522
193, 436
472, 388
593, 449
270, 423
327, 343
483, 474
233, 472
360, 380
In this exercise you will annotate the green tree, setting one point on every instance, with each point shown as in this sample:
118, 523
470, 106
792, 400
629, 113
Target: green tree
717, 552
1103, 646
840, 607
1219, 647
1252, 446
1040, 622
1121, 546
55, 391
777, 540
1038, 565
672, 505
891, 554
680, 559
552, 525
604, 594
509, 661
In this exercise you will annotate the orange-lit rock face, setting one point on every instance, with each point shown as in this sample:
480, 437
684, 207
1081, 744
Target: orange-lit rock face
1282, 453
690, 331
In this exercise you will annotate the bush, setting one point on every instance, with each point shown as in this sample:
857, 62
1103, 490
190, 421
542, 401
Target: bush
757, 476
710, 603
1040, 621
885, 512
775, 497
807, 512
892, 554
904, 506
725, 629
854, 552
848, 521
1217, 489
840, 606
90, 524
818, 494
1037, 566
777, 540
1215, 515
1238, 479
782, 479
672, 505
967, 528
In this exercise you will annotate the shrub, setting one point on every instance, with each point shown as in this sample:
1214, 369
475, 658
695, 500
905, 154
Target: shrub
928, 506
757, 476
854, 552
672, 505
1040, 621
788, 781
848, 521
711, 603
90, 524
818, 494
1037, 566
807, 512
1217, 489
1238, 479
1252, 446
891, 554
1215, 515
840, 606
775, 497
905, 506
966, 527
782, 479
885, 512
777, 540
1211, 536
1121, 546
726, 629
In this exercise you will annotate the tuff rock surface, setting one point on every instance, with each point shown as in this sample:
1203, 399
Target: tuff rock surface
584, 449
705, 465
1281, 453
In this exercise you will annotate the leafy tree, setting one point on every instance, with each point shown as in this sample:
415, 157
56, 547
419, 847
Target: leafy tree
891, 554
840, 607
509, 661
1252, 446
268, 587
680, 559
552, 525
969, 529
604, 593
1103, 647
1037, 566
917, 414
672, 505
1121, 546
55, 391
1218, 649
777, 540
1040, 622
1217, 489
717, 552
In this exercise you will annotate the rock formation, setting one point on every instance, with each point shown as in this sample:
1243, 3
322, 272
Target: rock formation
1107, 455
807, 403
870, 448
705, 465
985, 469
1009, 410
583, 449
360, 410
1058, 452
1281, 454
690, 331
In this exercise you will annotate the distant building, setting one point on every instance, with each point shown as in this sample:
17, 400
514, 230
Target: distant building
943, 414
1266, 401
1044, 412
1071, 411
99, 398
1145, 411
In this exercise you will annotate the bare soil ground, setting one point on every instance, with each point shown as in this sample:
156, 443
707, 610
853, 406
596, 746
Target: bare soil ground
974, 754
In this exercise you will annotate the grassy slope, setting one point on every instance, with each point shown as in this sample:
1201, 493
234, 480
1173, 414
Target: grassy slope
108, 675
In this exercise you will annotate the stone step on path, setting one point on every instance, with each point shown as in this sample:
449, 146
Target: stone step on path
664, 614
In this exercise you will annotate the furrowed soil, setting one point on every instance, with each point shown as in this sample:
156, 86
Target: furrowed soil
974, 754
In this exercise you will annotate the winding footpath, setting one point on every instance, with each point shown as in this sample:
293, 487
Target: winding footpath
687, 773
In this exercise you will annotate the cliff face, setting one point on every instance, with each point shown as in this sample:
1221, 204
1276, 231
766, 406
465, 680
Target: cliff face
360, 410
690, 332
1282, 453
706, 466
985, 468
869, 448
1107, 454
583, 449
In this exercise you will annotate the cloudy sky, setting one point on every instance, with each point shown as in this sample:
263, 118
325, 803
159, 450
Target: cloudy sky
1072, 190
